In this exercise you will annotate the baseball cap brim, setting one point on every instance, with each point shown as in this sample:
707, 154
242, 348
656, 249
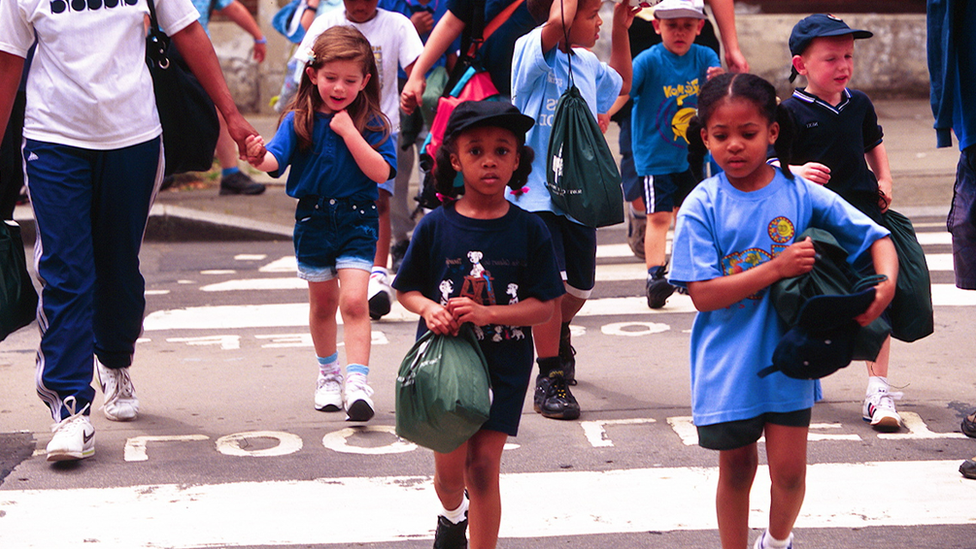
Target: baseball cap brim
474, 114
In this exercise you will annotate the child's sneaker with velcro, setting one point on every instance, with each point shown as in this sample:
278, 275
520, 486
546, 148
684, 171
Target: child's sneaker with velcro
359, 404
328, 393
879, 410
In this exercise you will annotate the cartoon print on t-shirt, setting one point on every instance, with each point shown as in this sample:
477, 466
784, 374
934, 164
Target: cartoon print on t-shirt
477, 283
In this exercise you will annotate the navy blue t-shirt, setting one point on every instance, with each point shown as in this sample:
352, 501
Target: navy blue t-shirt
494, 262
496, 53
838, 137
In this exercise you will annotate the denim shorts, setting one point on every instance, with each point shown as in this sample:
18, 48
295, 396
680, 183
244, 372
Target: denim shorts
333, 234
736, 434
962, 220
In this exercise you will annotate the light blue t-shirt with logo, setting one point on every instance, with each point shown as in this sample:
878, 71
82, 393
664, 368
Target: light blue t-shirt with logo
538, 80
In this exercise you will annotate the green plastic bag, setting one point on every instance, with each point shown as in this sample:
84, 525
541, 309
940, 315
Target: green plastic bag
911, 311
443, 393
581, 174
18, 299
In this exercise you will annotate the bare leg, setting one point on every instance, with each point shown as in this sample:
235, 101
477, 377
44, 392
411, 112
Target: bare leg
736, 472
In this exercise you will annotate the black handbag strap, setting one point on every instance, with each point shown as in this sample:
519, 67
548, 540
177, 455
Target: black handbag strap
156, 42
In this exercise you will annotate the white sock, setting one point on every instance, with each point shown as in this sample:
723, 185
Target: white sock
457, 515
877, 384
769, 542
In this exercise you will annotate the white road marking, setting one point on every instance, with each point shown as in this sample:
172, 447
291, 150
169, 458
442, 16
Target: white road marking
135, 447
236, 444
218, 272
278, 513
250, 257
933, 237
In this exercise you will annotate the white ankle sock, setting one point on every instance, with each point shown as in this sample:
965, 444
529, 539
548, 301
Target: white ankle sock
457, 515
876, 384
769, 542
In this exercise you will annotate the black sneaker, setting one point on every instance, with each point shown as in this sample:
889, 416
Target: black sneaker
567, 355
397, 251
553, 399
240, 183
657, 288
969, 425
449, 535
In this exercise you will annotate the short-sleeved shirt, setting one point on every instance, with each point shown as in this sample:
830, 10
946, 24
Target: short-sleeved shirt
203, 6
395, 43
328, 169
837, 136
89, 85
665, 94
494, 262
495, 54
722, 231
437, 9
540, 78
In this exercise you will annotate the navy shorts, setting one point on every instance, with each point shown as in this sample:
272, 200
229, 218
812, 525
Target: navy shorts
630, 182
509, 385
736, 434
962, 220
664, 193
333, 234
575, 247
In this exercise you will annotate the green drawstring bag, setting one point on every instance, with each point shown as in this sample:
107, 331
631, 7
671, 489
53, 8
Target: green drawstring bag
18, 299
443, 393
911, 311
581, 173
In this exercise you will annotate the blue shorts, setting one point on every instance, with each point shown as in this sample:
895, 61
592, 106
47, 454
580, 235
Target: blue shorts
575, 247
664, 193
629, 180
962, 221
333, 234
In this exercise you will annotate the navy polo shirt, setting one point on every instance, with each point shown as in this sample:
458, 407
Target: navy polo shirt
838, 136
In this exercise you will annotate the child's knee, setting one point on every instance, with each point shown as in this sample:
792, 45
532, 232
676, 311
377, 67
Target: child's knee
790, 478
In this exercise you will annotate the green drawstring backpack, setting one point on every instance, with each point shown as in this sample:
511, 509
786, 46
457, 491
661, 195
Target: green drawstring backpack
443, 393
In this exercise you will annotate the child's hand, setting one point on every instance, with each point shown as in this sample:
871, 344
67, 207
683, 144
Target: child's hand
603, 120
439, 320
813, 171
255, 149
412, 95
712, 72
796, 259
465, 309
423, 21
884, 201
342, 124
623, 14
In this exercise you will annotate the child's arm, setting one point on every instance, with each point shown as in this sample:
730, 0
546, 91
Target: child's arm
437, 317
258, 156
877, 159
720, 292
815, 172
618, 104
445, 32
527, 312
885, 262
553, 32
237, 13
369, 160
620, 61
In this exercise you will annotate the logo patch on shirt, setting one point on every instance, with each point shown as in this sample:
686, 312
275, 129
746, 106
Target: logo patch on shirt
813, 124
781, 230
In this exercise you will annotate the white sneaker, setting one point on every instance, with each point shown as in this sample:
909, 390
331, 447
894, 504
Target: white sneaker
74, 436
120, 403
379, 293
359, 405
759, 541
328, 394
879, 409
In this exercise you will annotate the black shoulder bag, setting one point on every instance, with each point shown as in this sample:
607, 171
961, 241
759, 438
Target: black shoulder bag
188, 116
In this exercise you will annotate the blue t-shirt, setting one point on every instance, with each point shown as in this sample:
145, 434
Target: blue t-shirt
721, 231
492, 261
495, 54
539, 79
665, 94
328, 169
203, 6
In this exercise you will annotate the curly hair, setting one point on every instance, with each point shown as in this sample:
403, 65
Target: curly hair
445, 176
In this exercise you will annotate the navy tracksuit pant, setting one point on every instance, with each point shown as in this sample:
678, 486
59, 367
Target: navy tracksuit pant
90, 209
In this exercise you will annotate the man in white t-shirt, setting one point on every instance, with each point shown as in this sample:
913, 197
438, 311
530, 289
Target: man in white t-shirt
395, 44
93, 159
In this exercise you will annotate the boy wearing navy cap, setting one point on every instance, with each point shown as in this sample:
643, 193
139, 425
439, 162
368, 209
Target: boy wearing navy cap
829, 118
